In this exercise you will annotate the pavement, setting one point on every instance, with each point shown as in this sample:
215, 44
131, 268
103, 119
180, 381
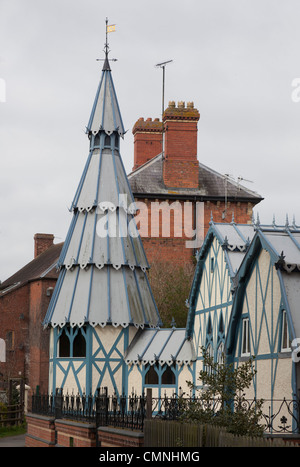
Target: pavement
12, 441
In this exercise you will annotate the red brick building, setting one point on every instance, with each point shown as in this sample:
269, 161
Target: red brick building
24, 299
166, 170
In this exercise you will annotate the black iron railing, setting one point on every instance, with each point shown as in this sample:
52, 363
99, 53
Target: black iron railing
101, 409
130, 411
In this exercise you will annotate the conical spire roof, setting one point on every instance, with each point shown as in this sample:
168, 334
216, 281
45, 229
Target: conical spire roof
103, 266
105, 113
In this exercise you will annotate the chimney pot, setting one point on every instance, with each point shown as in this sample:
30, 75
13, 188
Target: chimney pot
147, 140
42, 242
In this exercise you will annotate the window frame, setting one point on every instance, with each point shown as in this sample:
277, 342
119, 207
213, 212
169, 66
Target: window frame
10, 340
285, 336
245, 338
73, 342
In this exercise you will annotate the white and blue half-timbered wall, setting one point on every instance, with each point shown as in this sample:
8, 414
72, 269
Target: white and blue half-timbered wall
96, 362
265, 315
211, 298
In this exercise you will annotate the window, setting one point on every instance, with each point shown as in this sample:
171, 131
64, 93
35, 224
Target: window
245, 338
168, 376
10, 340
64, 344
209, 342
221, 340
72, 342
107, 141
151, 376
79, 344
210, 355
160, 375
212, 265
220, 354
285, 340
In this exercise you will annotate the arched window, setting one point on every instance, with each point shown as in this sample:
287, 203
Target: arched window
168, 376
107, 142
64, 344
209, 336
210, 355
79, 344
221, 340
285, 338
72, 342
151, 375
245, 351
220, 353
97, 140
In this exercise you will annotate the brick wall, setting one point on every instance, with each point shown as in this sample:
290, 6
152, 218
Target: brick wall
40, 431
159, 246
40, 296
42, 242
45, 431
74, 434
180, 166
14, 322
147, 140
22, 311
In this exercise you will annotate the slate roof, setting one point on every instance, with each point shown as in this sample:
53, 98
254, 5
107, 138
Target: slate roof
285, 243
148, 180
105, 113
165, 346
235, 239
43, 266
103, 279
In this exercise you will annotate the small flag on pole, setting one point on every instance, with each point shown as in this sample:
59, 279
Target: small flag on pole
111, 28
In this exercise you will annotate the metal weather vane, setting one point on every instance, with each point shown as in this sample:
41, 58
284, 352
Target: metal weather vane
108, 29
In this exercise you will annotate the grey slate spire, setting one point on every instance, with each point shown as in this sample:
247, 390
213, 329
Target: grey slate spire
103, 266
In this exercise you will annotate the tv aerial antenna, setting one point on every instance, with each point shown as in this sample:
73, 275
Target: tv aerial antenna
228, 177
163, 66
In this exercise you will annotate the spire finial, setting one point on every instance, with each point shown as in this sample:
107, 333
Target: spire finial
108, 28
106, 48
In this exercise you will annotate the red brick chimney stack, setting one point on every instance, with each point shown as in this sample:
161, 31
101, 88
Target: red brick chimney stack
42, 242
147, 140
180, 164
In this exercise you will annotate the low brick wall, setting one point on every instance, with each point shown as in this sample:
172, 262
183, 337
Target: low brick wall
40, 431
113, 437
74, 434
45, 431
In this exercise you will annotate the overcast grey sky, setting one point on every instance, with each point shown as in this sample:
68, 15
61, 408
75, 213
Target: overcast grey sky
236, 59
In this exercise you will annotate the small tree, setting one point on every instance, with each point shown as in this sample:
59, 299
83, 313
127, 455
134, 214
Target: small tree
222, 399
170, 285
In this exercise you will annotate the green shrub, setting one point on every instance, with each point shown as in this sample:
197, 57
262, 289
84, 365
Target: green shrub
222, 401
